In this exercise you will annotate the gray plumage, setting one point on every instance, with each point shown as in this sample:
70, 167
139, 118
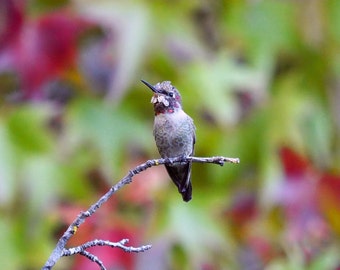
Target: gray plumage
174, 133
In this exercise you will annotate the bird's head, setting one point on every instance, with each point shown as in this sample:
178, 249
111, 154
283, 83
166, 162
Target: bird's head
166, 98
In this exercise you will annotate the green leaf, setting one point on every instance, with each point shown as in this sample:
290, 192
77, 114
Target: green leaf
28, 129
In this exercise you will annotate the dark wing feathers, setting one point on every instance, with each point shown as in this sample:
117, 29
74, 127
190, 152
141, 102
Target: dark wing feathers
180, 175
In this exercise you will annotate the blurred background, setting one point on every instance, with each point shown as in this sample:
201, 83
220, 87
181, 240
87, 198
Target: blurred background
259, 78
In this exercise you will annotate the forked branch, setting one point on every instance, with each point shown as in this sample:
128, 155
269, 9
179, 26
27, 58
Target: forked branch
60, 249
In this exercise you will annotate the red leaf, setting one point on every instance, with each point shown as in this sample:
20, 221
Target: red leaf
298, 196
46, 48
328, 196
41, 49
12, 19
242, 209
293, 164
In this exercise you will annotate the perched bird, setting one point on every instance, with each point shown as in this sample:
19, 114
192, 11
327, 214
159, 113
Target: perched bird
174, 133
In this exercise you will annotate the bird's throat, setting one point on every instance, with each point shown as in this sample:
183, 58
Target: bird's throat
164, 111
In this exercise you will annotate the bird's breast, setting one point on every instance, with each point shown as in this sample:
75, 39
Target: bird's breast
174, 134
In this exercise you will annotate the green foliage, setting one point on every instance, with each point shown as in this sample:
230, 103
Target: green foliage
259, 78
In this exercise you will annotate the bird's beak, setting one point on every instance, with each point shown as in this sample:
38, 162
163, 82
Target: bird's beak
150, 86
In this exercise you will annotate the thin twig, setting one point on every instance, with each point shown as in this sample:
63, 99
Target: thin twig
127, 179
98, 242
93, 258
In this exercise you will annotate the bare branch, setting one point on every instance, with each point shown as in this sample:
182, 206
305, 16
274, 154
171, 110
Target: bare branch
215, 160
93, 258
98, 242
82, 249
127, 179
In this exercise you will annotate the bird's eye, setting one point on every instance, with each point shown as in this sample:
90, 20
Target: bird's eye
171, 94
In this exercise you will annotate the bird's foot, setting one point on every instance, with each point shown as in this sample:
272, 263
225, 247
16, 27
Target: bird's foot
169, 161
183, 159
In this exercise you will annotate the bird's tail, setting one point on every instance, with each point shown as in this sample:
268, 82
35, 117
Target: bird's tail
180, 175
186, 192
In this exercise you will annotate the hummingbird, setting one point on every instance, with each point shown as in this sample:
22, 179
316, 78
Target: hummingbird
174, 133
